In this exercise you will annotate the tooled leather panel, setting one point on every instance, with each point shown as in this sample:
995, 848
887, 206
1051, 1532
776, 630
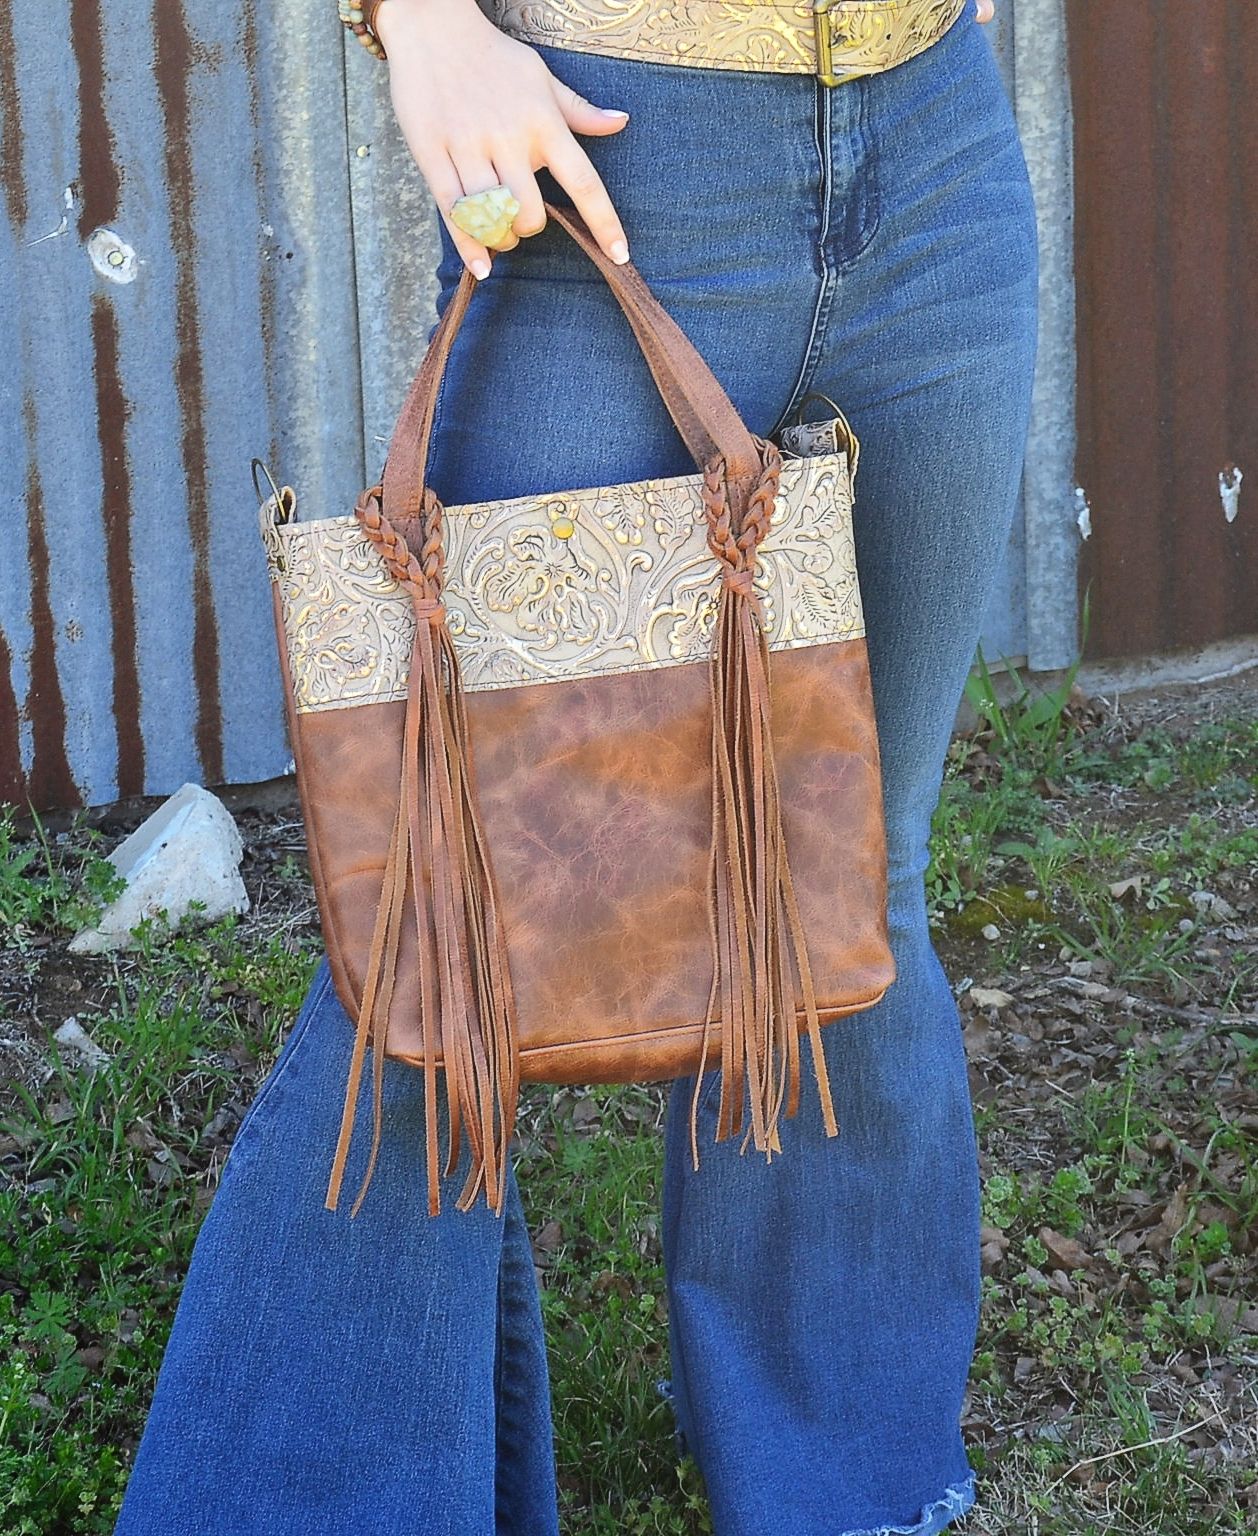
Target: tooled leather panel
575, 584
595, 800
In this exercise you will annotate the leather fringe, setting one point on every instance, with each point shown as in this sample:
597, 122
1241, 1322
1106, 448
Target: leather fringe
437, 876
758, 941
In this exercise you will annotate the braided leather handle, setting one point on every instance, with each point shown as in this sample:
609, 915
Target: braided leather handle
702, 411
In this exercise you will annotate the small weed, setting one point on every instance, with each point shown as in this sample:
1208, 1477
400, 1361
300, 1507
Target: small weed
40, 889
1033, 726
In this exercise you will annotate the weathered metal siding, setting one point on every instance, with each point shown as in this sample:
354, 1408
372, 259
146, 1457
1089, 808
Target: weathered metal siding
397, 248
1050, 527
176, 294
1004, 624
1166, 174
203, 152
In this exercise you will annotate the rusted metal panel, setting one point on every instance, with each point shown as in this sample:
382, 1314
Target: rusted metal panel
396, 247
1004, 623
176, 294
181, 209
1166, 176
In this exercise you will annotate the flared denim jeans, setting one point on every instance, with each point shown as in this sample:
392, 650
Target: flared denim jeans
875, 241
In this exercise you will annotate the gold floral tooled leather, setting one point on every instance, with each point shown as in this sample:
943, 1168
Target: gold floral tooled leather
579, 583
867, 36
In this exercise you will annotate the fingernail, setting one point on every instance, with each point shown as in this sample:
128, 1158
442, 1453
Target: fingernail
480, 267
619, 252
612, 112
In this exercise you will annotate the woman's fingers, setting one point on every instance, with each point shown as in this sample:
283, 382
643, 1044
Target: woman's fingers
514, 171
478, 174
479, 109
446, 186
583, 116
467, 168
572, 168
474, 167
986, 9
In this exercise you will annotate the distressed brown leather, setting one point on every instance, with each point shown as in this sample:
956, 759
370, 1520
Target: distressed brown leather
598, 805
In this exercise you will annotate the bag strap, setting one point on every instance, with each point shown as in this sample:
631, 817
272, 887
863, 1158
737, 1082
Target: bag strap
700, 408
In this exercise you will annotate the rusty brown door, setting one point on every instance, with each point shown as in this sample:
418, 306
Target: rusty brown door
1166, 250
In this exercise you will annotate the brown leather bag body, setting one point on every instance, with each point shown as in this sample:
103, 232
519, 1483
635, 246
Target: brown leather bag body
560, 826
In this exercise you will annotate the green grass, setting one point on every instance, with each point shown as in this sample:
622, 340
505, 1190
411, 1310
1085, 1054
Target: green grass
594, 1157
108, 1175
1118, 1397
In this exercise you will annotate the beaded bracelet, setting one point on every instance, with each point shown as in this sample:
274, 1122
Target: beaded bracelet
358, 16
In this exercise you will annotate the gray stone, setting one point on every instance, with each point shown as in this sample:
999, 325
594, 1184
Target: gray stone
74, 1039
188, 850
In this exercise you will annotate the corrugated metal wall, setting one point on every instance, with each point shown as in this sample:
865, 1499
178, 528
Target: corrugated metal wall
1004, 624
176, 294
1050, 512
1166, 174
184, 193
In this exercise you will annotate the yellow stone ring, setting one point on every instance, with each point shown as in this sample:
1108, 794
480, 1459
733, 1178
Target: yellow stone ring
486, 216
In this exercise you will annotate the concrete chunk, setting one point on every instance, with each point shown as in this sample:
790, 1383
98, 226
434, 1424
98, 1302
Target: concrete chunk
188, 850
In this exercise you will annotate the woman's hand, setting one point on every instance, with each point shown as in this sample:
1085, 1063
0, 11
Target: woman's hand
986, 9
477, 107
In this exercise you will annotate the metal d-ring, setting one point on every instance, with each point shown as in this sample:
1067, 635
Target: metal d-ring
815, 394
281, 507
853, 442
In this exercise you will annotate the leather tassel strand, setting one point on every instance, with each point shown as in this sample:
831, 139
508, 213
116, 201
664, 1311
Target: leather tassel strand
757, 932
437, 865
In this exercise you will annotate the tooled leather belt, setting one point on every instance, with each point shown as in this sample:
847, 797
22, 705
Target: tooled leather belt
836, 40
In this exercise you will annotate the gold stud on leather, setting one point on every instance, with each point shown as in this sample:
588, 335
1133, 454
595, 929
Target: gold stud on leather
562, 523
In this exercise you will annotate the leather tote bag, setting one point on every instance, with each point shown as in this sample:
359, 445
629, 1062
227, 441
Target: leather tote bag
589, 777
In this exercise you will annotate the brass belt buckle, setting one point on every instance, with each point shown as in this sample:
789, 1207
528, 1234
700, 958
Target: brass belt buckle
824, 37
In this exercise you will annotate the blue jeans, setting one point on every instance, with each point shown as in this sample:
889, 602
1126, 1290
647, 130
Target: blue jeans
875, 241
